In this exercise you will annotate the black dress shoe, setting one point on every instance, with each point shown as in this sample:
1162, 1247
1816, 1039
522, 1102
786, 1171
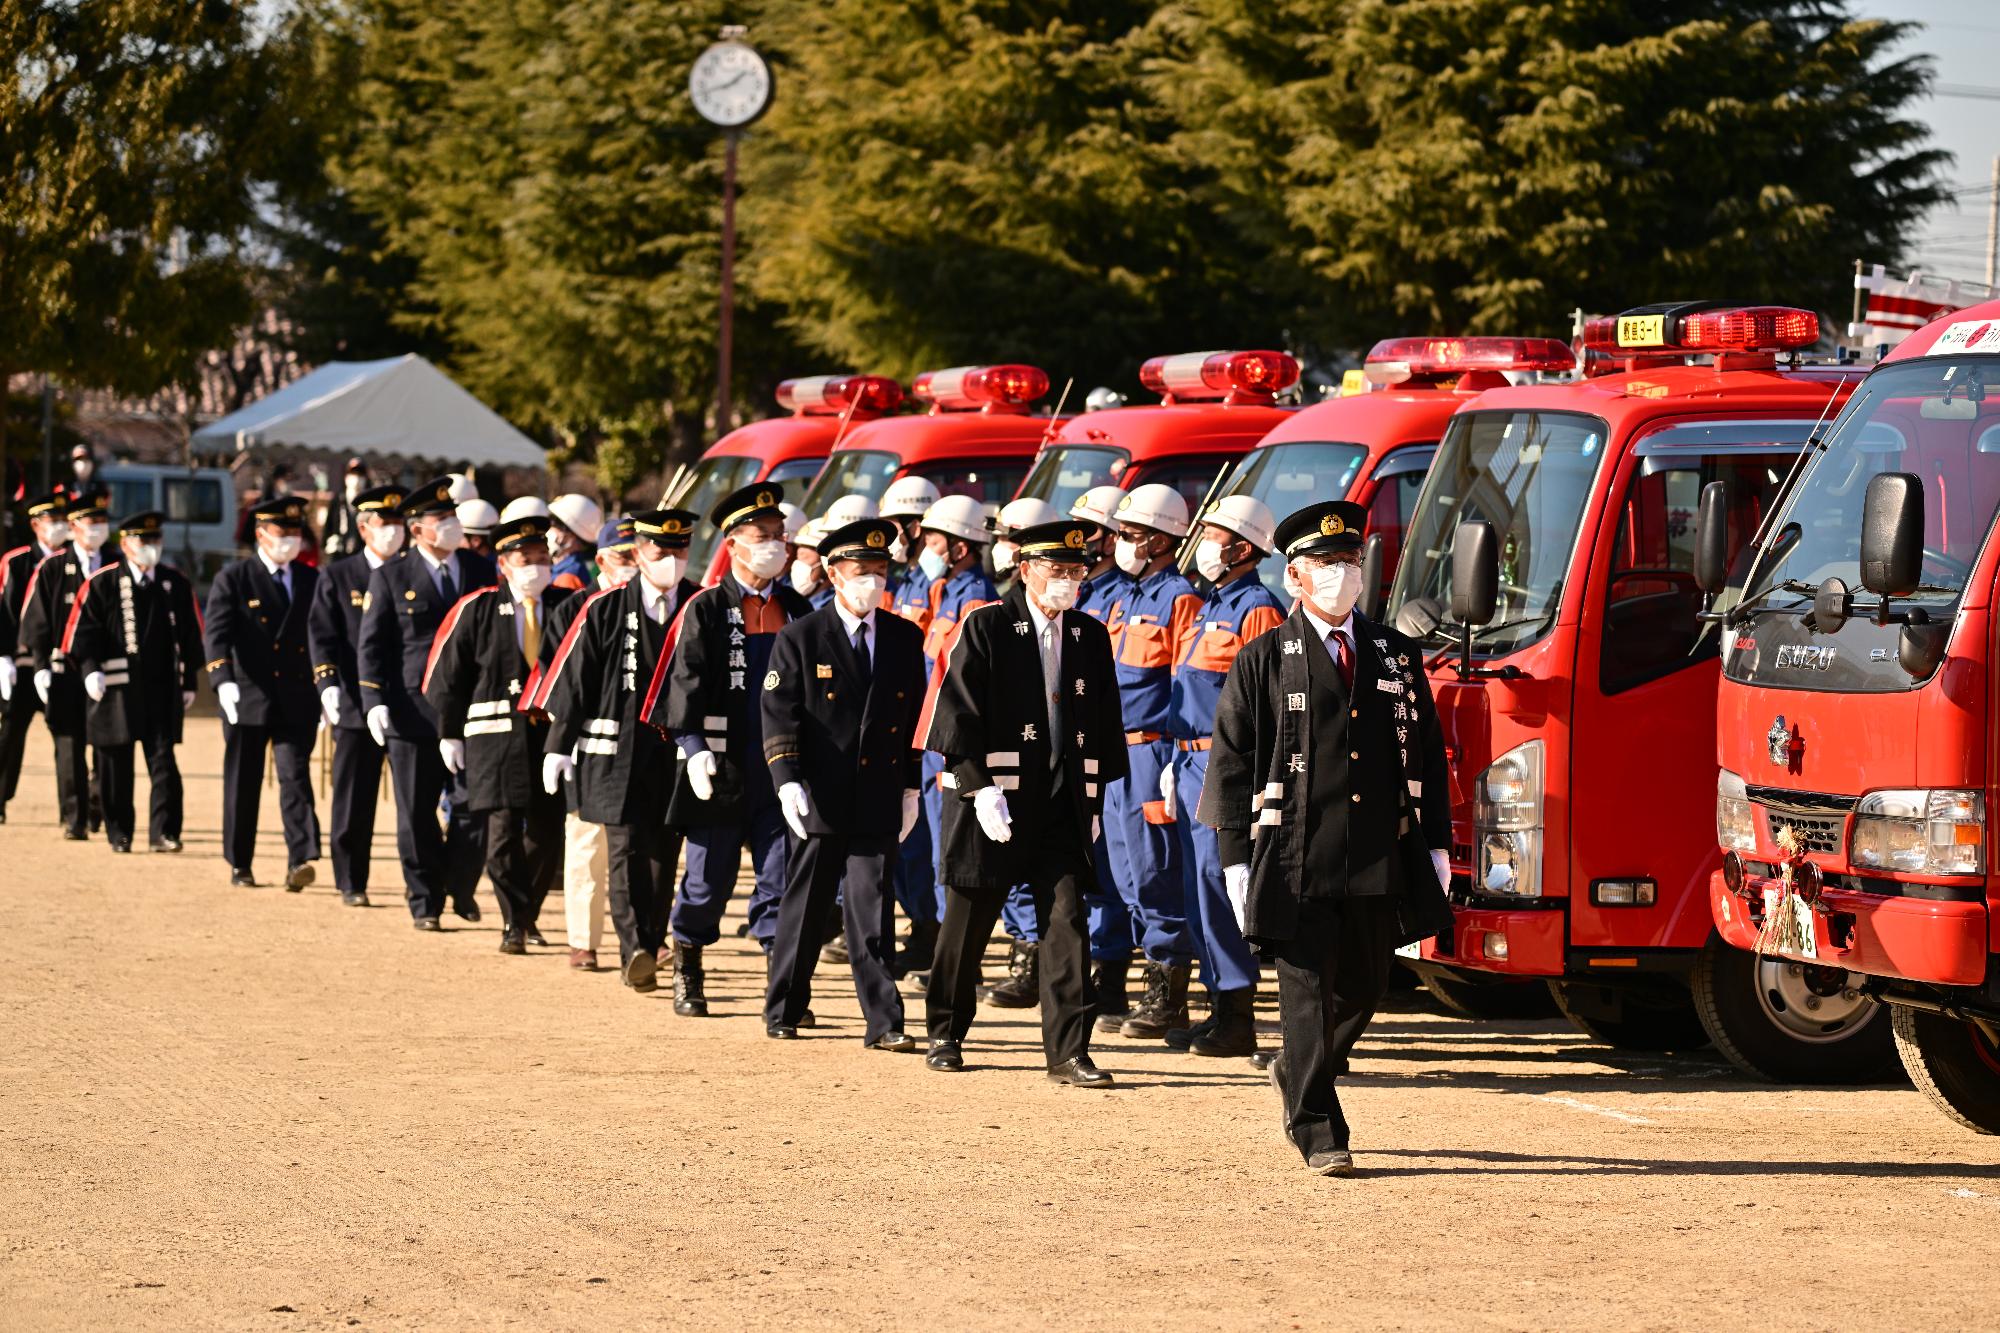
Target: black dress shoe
242, 879
945, 1055
75, 835
427, 923
642, 972
166, 844
121, 845
354, 899
512, 942
534, 937
298, 876
467, 912
781, 1032
1080, 1073
1263, 1059
899, 1042
806, 1020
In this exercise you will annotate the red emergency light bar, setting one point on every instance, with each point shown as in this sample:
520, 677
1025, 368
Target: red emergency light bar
988, 388
1397, 360
1702, 326
824, 395
1236, 377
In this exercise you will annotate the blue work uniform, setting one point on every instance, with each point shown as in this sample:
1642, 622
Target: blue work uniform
1110, 923
914, 867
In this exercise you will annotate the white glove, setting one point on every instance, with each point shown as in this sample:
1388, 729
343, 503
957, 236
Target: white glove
7, 673
792, 800
452, 751
1441, 862
187, 700
556, 768
912, 807
329, 703
1096, 829
990, 804
226, 695
1236, 883
93, 685
43, 679
1167, 788
378, 724
701, 774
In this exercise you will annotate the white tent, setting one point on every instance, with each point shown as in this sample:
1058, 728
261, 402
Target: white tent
403, 406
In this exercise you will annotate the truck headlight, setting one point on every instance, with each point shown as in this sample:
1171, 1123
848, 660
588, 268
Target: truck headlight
1920, 831
1735, 830
1507, 819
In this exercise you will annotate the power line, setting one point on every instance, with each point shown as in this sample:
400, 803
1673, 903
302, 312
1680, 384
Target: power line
1976, 91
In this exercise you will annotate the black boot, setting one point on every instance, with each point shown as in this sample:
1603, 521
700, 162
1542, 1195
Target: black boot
984, 990
834, 951
1023, 990
1165, 1008
915, 950
1181, 1039
1234, 1025
1114, 1000
690, 999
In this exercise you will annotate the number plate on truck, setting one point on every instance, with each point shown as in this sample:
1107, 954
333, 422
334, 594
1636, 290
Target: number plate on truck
1642, 330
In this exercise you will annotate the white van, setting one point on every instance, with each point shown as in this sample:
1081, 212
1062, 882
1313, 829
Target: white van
200, 505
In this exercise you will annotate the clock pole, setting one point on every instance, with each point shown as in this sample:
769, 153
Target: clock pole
728, 322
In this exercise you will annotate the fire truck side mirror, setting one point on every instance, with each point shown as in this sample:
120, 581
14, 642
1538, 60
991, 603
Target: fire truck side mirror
1892, 534
1711, 538
1372, 556
1475, 574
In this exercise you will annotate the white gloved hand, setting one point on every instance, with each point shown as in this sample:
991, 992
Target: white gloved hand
1236, 883
452, 751
701, 774
912, 807
329, 703
1167, 788
1096, 829
187, 700
555, 769
43, 679
1441, 862
226, 695
93, 685
792, 800
378, 724
8, 671
990, 804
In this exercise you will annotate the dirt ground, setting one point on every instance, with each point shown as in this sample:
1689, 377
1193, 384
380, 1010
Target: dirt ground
239, 1108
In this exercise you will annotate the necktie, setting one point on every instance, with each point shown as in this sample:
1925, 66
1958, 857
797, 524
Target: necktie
861, 658
1343, 656
531, 632
284, 592
446, 588
1051, 668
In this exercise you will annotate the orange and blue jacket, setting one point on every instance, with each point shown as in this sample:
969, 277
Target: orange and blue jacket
1151, 625
1230, 616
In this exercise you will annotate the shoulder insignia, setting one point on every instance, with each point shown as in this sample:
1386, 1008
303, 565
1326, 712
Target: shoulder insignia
771, 679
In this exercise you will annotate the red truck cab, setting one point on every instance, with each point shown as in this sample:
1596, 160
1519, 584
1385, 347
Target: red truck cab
789, 450
1549, 572
1857, 711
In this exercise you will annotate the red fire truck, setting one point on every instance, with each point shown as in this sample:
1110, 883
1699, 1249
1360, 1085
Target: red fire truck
1857, 710
782, 449
1549, 570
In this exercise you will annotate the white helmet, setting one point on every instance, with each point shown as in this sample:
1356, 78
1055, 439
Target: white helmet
1025, 512
795, 519
958, 516
849, 509
524, 506
1097, 503
1246, 516
578, 513
809, 536
908, 497
1156, 506
477, 517
463, 488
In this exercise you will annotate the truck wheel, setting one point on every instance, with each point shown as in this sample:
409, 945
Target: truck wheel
1953, 1063
1490, 999
1790, 1022
1634, 1022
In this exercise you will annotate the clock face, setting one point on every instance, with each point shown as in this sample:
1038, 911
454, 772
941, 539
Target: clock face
730, 84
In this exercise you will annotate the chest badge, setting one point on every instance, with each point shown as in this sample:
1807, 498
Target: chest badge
822, 671
770, 680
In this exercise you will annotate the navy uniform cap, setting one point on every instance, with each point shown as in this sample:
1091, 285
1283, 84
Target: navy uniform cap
760, 500
527, 528
52, 503
287, 511
433, 497
379, 499
145, 523
863, 539
1066, 539
665, 527
1326, 528
616, 534
87, 504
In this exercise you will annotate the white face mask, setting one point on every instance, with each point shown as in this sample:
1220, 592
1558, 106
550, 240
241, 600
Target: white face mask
805, 578
932, 564
1059, 594
93, 534
662, 573
863, 593
1208, 561
56, 533
284, 550
1335, 589
616, 576
899, 550
1292, 588
763, 559
141, 555
448, 534
1003, 556
385, 539
529, 580
1128, 557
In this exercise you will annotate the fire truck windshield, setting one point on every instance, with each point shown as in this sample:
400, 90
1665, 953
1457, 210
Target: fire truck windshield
1937, 418
1287, 477
1529, 475
1066, 471
702, 489
850, 472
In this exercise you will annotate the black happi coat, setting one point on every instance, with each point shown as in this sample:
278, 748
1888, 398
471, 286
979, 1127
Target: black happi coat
480, 684
1283, 778
990, 722
45, 619
597, 690
146, 639
849, 739
400, 617
17, 571
250, 641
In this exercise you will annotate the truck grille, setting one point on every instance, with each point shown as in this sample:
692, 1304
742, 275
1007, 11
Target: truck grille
1821, 835
1818, 817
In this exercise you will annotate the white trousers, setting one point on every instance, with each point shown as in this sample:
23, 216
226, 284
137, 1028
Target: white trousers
586, 871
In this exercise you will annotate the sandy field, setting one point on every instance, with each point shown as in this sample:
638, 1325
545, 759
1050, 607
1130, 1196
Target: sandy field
233, 1108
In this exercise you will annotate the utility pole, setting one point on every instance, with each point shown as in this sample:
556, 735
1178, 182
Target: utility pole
48, 433
730, 85
727, 325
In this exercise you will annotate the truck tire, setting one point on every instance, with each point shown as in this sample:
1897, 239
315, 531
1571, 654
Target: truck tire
1642, 1023
1490, 999
1952, 1063
1791, 1022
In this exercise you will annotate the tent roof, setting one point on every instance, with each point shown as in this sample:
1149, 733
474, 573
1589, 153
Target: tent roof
403, 405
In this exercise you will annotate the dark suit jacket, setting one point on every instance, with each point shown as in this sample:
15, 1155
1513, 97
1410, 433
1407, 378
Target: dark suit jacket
333, 632
257, 640
400, 616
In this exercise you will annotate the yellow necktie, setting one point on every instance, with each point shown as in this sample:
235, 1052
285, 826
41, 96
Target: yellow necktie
531, 632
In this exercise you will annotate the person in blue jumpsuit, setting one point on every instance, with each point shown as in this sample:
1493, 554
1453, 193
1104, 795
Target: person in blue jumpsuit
1234, 535
908, 595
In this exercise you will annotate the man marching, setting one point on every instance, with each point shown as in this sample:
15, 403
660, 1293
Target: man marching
134, 637
1327, 792
262, 677
1027, 720
598, 690
51, 596
484, 659
17, 665
333, 632
840, 705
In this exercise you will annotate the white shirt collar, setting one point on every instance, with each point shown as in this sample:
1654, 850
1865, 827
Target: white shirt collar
745, 589
47, 551
1042, 622
374, 561
436, 564
658, 602
272, 567
85, 556
1320, 625
848, 620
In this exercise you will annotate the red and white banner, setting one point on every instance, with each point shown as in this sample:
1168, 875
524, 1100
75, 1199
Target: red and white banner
1897, 307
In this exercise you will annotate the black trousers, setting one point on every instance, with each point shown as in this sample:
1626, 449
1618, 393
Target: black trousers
18, 712
1332, 974
357, 776
524, 851
820, 869
114, 790
639, 888
441, 863
1058, 886
73, 794
243, 749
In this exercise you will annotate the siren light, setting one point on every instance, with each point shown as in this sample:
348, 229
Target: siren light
1398, 360
819, 395
1689, 327
988, 388
1234, 377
